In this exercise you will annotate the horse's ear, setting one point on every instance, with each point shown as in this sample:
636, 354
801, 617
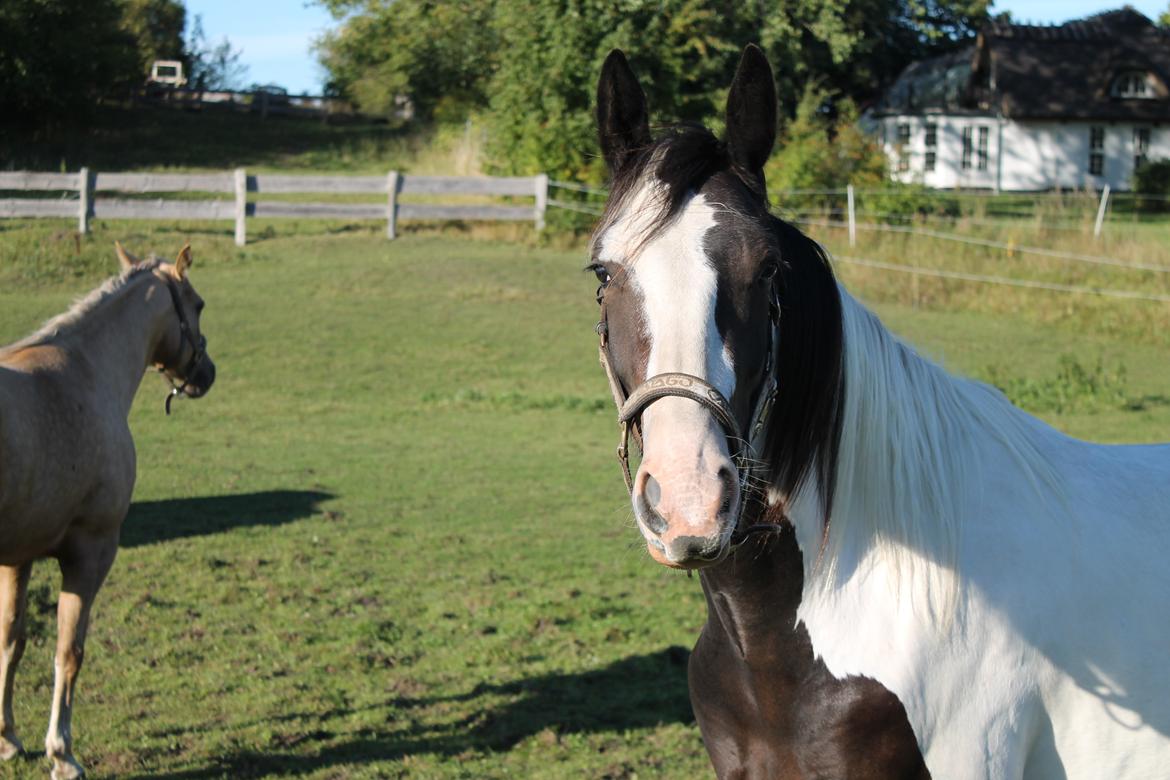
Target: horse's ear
622, 122
183, 262
751, 114
125, 259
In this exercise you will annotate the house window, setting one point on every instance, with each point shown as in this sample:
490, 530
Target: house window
968, 146
981, 151
1096, 150
931, 145
1141, 146
903, 147
1132, 84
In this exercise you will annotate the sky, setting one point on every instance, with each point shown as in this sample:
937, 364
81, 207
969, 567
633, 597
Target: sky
276, 36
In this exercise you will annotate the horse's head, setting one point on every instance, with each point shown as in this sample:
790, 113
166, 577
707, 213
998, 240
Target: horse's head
692, 267
181, 351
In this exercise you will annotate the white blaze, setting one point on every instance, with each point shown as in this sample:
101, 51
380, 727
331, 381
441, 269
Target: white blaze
684, 445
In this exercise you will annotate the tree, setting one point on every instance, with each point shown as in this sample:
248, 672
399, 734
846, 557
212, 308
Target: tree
822, 149
57, 58
157, 26
213, 67
534, 64
439, 55
542, 94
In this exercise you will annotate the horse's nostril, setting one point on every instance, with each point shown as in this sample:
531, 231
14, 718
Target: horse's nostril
652, 490
647, 501
654, 521
727, 477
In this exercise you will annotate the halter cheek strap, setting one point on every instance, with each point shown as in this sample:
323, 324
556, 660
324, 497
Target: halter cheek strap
198, 348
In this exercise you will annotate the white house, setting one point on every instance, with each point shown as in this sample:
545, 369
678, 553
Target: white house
1078, 105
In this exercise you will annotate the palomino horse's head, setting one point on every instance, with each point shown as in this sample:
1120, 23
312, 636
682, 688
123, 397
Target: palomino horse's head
181, 354
693, 269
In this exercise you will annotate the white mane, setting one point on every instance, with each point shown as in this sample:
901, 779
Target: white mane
908, 460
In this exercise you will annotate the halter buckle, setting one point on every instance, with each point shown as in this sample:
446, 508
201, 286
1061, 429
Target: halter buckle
623, 453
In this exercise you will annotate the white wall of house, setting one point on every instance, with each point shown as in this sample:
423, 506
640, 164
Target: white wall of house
1031, 155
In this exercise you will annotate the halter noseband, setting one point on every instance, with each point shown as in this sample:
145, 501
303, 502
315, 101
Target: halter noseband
198, 347
630, 409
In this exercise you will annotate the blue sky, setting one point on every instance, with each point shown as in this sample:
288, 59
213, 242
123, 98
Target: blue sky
276, 36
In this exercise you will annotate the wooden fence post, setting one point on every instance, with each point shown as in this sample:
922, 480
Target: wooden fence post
852, 217
85, 200
392, 205
1101, 212
541, 181
241, 181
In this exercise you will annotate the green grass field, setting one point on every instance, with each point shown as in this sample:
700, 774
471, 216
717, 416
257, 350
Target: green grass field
393, 541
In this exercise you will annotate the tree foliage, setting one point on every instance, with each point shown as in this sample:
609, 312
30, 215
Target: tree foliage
157, 27
530, 68
57, 57
822, 149
213, 66
439, 55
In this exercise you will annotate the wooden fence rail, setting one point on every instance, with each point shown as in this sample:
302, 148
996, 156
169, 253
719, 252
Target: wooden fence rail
90, 204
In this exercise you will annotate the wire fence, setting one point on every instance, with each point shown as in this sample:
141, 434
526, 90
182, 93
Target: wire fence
1067, 213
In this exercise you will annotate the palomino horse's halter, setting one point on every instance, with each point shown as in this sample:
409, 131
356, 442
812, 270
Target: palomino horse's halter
745, 448
198, 347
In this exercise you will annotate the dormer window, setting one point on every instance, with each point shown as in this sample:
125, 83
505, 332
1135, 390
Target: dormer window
1134, 84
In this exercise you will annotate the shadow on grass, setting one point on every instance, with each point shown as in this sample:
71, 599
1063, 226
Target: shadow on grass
638, 692
159, 521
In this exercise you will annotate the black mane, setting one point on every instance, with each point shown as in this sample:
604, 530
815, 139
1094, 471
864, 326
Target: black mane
804, 432
682, 158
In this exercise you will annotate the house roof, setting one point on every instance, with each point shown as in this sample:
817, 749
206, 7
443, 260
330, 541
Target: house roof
1043, 72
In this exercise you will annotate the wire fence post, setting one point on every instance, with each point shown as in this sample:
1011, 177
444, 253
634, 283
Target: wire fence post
1101, 212
541, 184
392, 180
241, 186
85, 200
852, 217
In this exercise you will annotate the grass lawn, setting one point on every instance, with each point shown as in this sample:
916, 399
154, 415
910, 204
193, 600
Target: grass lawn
393, 541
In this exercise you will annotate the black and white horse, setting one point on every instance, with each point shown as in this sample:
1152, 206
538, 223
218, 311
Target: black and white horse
896, 559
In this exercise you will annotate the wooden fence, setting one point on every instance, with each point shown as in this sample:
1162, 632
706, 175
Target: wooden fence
89, 204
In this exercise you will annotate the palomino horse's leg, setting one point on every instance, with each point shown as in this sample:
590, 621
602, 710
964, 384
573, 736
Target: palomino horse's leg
84, 565
13, 595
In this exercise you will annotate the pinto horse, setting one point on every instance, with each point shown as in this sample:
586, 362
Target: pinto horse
905, 575
67, 462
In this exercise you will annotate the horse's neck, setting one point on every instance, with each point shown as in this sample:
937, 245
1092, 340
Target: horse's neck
117, 339
753, 596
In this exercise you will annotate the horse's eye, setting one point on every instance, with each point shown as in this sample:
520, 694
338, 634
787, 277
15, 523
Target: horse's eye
601, 274
769, 271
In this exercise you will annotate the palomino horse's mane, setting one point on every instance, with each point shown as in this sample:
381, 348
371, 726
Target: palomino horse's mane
64, 323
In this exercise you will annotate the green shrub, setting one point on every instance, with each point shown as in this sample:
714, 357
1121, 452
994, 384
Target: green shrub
1153, 178
1075, 388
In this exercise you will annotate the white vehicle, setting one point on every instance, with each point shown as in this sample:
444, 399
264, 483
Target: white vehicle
169, 72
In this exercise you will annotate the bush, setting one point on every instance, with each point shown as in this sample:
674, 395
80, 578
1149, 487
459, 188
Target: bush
1075, 388
1153, 178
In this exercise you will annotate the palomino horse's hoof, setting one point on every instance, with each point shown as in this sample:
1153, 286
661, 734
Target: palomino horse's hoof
66, 769
10, 747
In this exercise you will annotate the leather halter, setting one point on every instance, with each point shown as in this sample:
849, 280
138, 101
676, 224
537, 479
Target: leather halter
630, 408
198, 347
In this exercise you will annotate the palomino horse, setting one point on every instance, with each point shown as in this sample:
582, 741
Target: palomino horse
67, 462
896, 560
